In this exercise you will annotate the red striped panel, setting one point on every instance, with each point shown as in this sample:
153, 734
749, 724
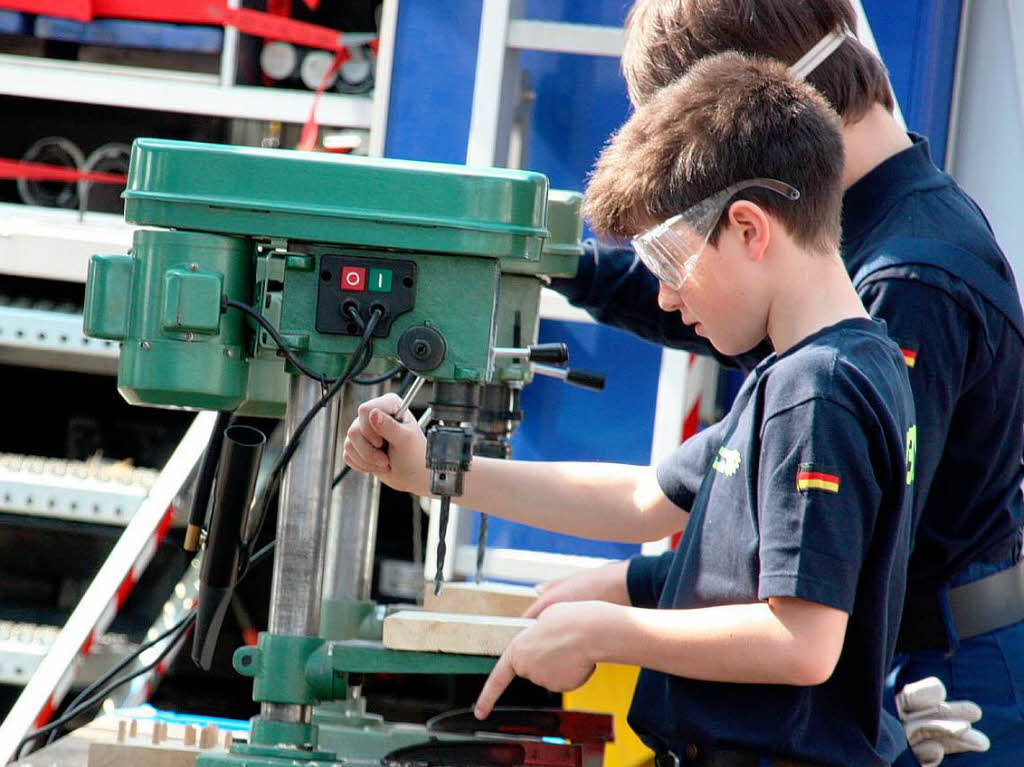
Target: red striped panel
46, 713
125, 589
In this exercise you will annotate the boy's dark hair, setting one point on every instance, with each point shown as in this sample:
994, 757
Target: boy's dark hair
665, 37
729, 119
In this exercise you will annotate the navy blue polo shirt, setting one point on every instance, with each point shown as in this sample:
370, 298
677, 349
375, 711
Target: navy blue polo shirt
966, 361
803, 490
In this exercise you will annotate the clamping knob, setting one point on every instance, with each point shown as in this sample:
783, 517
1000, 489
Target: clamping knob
551, 354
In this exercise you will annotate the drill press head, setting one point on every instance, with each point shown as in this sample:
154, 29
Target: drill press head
315, 243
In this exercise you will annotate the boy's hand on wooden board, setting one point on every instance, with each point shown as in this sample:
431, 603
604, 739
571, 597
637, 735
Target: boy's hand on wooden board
604, 584
557, 652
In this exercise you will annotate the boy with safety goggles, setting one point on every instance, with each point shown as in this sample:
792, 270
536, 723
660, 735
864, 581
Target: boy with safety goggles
923, 258
778, 620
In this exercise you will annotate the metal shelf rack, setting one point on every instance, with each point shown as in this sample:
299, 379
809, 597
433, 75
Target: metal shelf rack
173, 91
80, 491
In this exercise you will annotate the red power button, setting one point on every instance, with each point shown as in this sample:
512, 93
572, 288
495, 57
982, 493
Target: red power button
353, 278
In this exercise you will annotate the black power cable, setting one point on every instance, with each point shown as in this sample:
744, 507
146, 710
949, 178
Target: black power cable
227, 303
355, 364
386, 376
181, 627
88, 691
86, 699
209, 462
341, 475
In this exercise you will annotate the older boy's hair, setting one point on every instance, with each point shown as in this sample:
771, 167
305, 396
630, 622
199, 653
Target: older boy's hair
665, 37
730, 118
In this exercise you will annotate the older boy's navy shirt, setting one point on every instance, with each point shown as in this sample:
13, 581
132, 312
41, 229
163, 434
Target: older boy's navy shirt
803, 490
965, 361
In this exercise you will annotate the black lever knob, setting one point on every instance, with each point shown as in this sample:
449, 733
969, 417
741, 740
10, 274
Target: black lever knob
585, 379
550, 354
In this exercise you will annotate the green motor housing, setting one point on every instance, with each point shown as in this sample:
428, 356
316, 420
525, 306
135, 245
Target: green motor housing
163, 302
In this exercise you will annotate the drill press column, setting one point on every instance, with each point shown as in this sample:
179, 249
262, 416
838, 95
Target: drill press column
352, 525
301, 523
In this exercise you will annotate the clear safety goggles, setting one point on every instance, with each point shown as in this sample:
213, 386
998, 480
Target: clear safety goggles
671, 249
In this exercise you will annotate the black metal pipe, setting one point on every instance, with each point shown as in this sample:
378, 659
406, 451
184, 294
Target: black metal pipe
237, 471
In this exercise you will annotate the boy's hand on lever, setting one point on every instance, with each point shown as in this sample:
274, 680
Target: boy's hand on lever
378, 444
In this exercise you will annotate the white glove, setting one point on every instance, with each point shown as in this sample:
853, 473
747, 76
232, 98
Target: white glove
936, 727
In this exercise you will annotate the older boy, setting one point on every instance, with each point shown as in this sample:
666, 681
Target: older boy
923, 259
779, 615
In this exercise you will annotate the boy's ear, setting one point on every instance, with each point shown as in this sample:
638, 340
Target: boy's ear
752, 226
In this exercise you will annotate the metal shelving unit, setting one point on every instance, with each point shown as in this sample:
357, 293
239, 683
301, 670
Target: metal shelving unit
56, 244
57, 671
45, 247
173, 91
53, 340
49, 245
79, 491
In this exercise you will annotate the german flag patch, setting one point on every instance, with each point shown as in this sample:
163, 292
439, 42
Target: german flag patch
909, 356
810, 477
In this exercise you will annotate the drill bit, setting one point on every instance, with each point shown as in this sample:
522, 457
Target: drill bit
442, 527
481, 547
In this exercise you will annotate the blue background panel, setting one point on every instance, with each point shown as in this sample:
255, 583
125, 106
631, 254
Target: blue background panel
572, 424
580, 102
432, 82
611, 13
918, 42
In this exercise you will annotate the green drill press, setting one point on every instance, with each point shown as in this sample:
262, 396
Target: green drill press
426, 260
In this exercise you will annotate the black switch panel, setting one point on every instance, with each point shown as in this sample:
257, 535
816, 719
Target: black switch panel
363, 283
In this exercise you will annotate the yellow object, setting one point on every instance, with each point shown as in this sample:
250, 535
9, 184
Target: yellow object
610, 690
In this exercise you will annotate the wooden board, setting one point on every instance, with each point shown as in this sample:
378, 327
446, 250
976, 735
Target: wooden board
480, 599
448, 632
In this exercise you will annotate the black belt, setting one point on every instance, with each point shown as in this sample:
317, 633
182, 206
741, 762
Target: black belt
978, 607
693, 755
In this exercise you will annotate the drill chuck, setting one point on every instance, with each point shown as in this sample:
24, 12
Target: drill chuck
449, 451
